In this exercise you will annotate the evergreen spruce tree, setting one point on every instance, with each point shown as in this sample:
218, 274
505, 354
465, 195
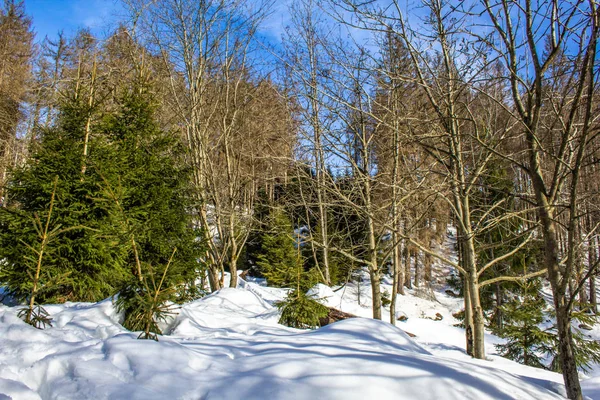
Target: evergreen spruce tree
143, 167
35, 314
254, 244
91, 263
527, 343
278, 260
500, 239
282, 264
147, 181
586, 349
301, 311
298, 309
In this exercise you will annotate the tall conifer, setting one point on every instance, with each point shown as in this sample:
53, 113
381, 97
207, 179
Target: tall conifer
89, 259
146, 179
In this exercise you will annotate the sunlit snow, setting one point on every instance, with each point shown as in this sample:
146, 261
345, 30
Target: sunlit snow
230, 346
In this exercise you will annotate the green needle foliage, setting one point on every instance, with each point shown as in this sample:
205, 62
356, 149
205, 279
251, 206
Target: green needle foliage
148, 209
283, 265
278, 260
530, 344
148, 189
527, 343
91, 262
301, 311
142, 300
587, 351
146, 302
147, 168
36, 315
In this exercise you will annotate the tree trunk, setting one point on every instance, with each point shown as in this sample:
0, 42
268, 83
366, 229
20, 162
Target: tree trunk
374, 271
318, 152
407, 277
398, 268
563, 321
358, 290
478, 320
324, 237
499, 316
566, 355
473, 285
468, 319
213, 278
593, 300
591, 262
376, 292
233, 257
417, 272
395, 276
233, 270
427, 261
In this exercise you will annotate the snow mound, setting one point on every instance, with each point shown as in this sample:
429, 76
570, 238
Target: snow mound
369, 331
16, 390
328, 297
224, 313
322, 292
229, 346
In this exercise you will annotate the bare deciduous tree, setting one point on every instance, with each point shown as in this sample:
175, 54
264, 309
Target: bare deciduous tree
205, 47
549, 51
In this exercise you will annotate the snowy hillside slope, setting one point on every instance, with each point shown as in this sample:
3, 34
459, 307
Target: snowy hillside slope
229, 346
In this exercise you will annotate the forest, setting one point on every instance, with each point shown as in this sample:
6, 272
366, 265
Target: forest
158, 162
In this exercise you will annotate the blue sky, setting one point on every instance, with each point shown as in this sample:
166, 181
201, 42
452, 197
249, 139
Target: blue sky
50, 16
102, 16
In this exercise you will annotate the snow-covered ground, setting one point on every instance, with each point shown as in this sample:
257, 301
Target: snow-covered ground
230, 346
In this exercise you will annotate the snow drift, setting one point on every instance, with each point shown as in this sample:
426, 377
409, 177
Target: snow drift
229, 346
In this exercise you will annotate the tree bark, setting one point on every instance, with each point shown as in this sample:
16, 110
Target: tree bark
563, 319
407, 277
417, 269
468, 321
472, 280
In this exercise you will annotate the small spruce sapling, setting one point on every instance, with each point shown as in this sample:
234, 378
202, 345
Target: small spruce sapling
34, 314
146, 299
299, 310
530, 344
527, 343
385, 298
146, 302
